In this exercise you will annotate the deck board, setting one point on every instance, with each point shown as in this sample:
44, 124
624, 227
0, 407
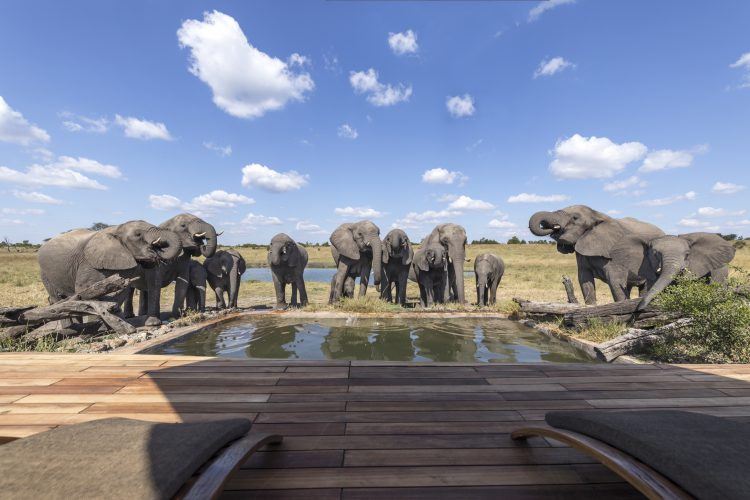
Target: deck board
356, 430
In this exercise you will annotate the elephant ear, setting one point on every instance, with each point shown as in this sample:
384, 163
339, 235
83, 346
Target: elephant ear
707, 252
105, 251
407, 254
344, 242
294, 257
420, 260
600, 240
213, 265
241, 266
385, 247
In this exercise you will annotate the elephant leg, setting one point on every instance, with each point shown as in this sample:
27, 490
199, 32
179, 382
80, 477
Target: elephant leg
302, 291
234, 287
349, 285
429, 292
588, 288
403, 280
337, 283
152, 298
201, 298
127, 305
422, 295
280, 295
142, 302
294, 294
180, 291
719, 275
190, 299
219, 291
364, 279
617, 279
493, 292
479, 294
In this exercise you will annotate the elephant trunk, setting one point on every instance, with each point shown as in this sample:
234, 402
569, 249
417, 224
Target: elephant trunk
456, 258
669, 269
377, 259
165, 243
275, 253
543, 223
234, 286
481, 292
206, 235
201, 298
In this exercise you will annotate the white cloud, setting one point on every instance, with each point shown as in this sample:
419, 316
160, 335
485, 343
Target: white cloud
22, 211
403, 43
362, 212
378, 94
164, 202
501, 224
35, 197
664, 159
11, 222
17, 129
246, 82
660, 202
718, 212
266, 178
252, 219
78, 123
537, 198
136, 128
593, 157
463, 202
415, 219
62, 173
221, 150
726, 188
346, 131
460, 106
443, 176
744, 222
624, 184
744, 63
309, 227
299, 60
552, 66
695, 223
544, 6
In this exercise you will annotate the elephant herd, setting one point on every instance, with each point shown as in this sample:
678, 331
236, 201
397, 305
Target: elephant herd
623, 253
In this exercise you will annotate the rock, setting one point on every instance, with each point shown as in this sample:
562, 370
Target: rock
114, 343
98, 347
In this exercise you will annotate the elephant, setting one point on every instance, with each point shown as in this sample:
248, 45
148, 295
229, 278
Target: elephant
74, 260
430, 271
355, 247
196, 294
287, 260
452, 237
398, 255
197, 237
224, 270
612, 250
703, 255
488, 270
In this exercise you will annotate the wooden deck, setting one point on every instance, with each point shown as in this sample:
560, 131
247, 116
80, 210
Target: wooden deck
370, 430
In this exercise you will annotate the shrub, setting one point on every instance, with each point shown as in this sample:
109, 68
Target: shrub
720, 331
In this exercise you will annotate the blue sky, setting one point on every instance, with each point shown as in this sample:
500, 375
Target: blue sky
296, 116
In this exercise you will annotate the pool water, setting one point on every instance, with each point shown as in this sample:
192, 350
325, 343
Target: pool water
387, 339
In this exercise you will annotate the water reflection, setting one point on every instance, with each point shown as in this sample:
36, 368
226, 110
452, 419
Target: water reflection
392, 339
312, 274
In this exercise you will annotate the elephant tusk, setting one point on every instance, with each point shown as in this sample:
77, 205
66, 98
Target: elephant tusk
156, 241
556, 227
450, 261
199, 235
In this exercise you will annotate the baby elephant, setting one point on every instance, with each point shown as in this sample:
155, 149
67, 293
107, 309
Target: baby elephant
225, 269
196, 292
430, 270
397, 259
488, 270
287, 260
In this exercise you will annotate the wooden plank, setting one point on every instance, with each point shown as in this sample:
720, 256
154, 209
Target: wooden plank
388, 396
594, 379
54, 419
465, 456
301, 494
456, 388
669, 402
214, 407
392, 416
429, 406
317, 429
295, 459
397, 442
62, 389
22, 431
20, 408
145, 398
533, 492
14, 382
296, 394
432, 427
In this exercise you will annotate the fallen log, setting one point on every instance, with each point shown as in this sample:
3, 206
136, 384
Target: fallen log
569, 290
13, 332
616, 311
635, 339
109, 285
531, 307
67, 308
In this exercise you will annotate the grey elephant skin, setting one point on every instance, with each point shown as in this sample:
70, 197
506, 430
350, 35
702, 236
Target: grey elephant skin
398, 255
195, 298
488, 271
197, 238
612, 250
429, 270
287, 260
356, 249
74, 260
225, 270
703, 255
452, 238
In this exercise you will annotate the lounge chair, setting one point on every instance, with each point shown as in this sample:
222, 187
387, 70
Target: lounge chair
663, 454
123, 458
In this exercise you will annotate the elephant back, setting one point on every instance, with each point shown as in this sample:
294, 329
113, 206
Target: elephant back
640, 229
59, 259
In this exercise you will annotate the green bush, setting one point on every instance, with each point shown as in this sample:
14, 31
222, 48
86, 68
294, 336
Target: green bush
720, 330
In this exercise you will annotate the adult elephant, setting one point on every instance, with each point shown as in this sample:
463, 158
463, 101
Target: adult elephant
287, 260
355, 245
224, 271
197, 237
452, 237
609, 249
703, 255
397, 258
72, 261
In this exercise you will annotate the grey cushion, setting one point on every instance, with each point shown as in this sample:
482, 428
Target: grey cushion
112, 458
709, 457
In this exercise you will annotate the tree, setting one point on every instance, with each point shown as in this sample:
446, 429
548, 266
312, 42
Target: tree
6, 242
98, 226
515, 241
485, 241
730, 237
